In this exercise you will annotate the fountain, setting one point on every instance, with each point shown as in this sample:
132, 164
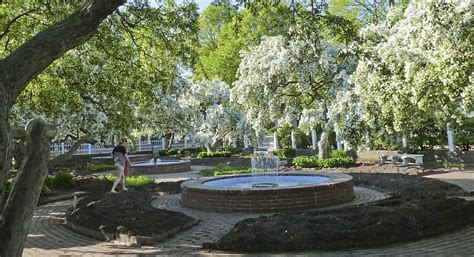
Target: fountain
265, 170
267, 190
157, 166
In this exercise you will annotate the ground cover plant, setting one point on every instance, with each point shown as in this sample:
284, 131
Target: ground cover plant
417, 208
214, 154
337, 158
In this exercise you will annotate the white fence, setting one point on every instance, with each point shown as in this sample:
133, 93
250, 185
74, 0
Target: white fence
141, 145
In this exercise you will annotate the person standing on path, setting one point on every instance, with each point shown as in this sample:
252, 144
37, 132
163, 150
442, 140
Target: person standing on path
121, 162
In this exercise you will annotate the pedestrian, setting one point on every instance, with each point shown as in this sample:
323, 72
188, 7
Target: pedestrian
121, 163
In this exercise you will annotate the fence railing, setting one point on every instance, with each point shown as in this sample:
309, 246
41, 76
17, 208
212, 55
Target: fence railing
141, 145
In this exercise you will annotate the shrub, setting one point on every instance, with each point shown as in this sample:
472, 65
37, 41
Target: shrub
99, 167
338, 154
62, 179
191, 151
336, 162
313, 162
224, 169
232, 150
285, 153
172, 152
214, 154
306, 161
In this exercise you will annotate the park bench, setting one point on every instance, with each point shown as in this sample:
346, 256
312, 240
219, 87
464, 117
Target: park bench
405, 158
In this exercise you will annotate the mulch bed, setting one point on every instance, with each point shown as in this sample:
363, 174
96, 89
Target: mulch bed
418, 208
127, 212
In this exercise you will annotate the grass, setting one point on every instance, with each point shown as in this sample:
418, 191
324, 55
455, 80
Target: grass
133, 181
225, 169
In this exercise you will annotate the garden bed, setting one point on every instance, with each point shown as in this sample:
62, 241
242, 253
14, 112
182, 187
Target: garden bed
127, 216
418, 208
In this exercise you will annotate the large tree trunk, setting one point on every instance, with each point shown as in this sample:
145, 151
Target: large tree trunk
5, 155
23, 65
25, 191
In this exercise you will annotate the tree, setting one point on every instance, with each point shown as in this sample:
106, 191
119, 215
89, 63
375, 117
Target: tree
280, 78
418, 64
225, 32
93, 90
16, 71
215, 120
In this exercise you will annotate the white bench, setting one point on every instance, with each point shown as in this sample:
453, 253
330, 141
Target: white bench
404, 157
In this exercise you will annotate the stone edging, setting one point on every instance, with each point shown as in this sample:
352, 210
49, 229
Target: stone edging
127, 239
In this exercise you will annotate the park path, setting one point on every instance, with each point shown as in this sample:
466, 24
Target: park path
48, 237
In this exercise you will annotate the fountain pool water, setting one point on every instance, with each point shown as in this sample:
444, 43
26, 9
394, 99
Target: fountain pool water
267, 190
280, 181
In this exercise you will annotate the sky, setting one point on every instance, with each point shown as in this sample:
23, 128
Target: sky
202, 3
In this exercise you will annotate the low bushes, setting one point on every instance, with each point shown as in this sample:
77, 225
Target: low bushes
285, 153
338, 158
184, 151
225, 169
61, 179
214, 154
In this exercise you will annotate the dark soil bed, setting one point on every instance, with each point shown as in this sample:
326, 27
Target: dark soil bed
127, 212
418, 208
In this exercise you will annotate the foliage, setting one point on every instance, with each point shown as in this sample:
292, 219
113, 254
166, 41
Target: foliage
416, 65
134, 180
191, 151
302, 140
61, 179
224, 169
214, 119
233, 150
306, 161
299, 81
97, 88
285, 153
338, 154
313, 162
226, 31
214, 154
464, 134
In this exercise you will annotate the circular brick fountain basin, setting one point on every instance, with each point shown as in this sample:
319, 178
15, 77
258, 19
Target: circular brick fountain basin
296, 191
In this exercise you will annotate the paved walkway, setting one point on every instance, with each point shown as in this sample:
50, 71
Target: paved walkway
48, 237
463, 179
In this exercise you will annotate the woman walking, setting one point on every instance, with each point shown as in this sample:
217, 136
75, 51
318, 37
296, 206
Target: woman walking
121, 161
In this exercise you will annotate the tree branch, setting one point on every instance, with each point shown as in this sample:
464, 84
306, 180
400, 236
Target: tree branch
7, 29
68, 155
31, 58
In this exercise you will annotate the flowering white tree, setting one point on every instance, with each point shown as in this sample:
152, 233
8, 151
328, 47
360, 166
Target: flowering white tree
215, 120
418, 64
167, 113
280, 76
